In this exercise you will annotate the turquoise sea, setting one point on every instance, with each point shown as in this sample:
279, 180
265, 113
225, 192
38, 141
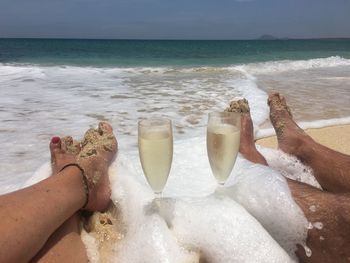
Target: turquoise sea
126, 53
60, 86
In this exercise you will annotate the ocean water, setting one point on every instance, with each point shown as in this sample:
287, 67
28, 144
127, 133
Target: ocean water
63, 87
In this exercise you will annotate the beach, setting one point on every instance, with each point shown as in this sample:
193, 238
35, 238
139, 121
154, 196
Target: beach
66, 92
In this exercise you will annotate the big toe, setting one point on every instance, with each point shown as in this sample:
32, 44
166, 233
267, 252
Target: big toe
274, 98
107, 131
55, 146
55, 149
105, 127
278, 106
239, 106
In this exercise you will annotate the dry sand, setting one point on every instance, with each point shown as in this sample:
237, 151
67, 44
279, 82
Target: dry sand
334, 137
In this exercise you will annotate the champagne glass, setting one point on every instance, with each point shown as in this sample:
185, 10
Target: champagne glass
155, 140
223, 138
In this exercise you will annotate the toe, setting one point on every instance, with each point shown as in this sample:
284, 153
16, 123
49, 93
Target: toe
67, 142
273, 96
277, 102
105, 127
55, 148
239, 106
244, 106
76, 145
91, 135
283, 100
284, 104
55, 145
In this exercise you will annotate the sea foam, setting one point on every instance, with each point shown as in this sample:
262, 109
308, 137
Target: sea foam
39, 102
272, 67
254, 218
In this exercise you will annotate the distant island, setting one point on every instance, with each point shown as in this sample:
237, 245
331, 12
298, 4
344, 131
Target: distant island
270, 37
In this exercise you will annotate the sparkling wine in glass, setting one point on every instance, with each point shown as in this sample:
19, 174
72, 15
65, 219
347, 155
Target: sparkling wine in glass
223, 138
155, 141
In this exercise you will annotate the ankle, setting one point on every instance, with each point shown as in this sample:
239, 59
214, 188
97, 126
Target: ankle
304, 147
247, 149
250, 153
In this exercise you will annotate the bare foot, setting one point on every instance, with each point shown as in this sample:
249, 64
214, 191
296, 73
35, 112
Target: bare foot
247, 145
289, 135
94, 155
98, 150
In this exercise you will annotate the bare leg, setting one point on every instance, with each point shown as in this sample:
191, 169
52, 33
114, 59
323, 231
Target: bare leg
65, 244
247, 146
31, 215
329, 241
331, 168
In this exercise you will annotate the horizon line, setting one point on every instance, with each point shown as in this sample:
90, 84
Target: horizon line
178, 39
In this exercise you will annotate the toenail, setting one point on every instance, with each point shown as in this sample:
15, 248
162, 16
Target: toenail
55, 140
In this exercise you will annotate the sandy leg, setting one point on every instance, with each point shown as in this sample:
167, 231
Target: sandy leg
331, 168
330, 240
247, 145
329, 214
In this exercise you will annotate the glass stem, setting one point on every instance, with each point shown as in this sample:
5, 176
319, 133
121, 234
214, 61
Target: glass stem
220, 189
158, 195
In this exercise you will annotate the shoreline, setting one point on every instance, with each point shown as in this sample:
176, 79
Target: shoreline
335, 137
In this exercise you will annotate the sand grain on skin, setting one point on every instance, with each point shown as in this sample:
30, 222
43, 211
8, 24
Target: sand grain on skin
239, 106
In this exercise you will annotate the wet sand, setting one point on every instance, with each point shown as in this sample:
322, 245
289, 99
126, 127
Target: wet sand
334, 137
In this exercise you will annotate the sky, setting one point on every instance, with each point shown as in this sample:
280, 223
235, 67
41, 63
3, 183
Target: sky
176, 19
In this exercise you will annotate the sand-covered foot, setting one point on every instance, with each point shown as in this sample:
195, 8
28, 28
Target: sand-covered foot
240, 106
98, 149
247, 145
63, 151
289, 135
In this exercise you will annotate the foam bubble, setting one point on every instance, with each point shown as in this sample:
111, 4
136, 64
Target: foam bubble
91, 247
265, 194
313, 208
224, 232
151, 241
318, 225
289, 166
